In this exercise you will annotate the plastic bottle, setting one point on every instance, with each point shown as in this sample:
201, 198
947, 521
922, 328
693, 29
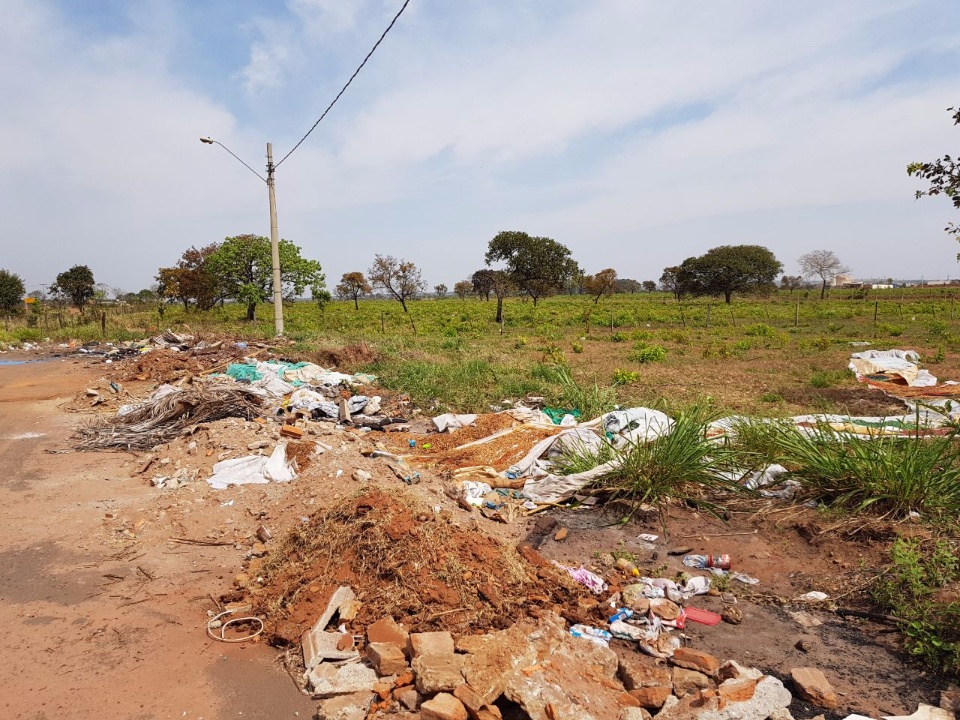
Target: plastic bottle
719, 561
627, 567
621, 614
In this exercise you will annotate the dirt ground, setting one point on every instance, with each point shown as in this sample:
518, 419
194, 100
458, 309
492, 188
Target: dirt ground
107, 591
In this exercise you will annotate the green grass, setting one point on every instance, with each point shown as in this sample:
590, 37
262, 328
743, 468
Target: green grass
681, 466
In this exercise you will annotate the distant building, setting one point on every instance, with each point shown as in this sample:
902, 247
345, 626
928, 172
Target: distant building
842, 280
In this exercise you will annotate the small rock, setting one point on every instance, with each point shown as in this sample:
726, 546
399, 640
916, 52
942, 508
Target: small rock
634, 713
813, 686
803, 645
732, 614
408, 697
386, 658
696, 660
429, 643
345, 707
561, 534
640, 671
328, 681
361, 476
651, 697
732, 670
258, 444
443, 707
687, 681
387, 630
438, 673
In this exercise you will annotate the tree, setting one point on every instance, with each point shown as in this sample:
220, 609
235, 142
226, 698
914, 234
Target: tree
791, 282
463, 288
502, 285
727, 269
321, 296
11, 292
577, 281
600, 285
538, 266
190, 280
400, 278
943, 175
353, 285
76, 285
625, 285
823, 264
482, 283
440, 290
668, 281
649, 285
243, 268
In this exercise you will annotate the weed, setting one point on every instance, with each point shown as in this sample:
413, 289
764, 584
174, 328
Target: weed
827, 378
520, 343
591, 400
577, 347
771, 397
618, 337
682, 465
760, 330
625, 377
891, 330
893, 475
648, 354
554, 354
917, 571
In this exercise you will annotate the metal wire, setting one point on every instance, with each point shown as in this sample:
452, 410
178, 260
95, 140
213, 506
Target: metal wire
343, 89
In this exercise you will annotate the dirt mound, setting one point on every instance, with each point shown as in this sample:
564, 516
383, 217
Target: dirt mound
405, 561
348, 357
163, 366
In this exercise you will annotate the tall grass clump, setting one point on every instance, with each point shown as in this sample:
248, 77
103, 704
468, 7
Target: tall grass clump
892, 475
591, 399
682, 465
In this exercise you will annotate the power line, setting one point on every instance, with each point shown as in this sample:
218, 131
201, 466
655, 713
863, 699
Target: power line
344, 88
208, 141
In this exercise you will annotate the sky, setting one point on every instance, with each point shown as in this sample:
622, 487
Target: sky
635, 132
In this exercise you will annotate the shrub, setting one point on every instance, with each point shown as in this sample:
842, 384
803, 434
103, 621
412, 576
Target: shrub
648, 354
760, 330
625, 377
577, 347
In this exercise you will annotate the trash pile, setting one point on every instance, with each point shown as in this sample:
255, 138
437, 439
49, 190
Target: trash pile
897, 373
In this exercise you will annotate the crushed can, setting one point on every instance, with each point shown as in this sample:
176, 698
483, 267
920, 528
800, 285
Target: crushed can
721, 562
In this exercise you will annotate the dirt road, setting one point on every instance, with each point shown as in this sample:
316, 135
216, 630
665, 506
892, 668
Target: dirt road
101, 623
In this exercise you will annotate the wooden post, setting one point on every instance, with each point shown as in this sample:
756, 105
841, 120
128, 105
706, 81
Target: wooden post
501, 324
876, 309
733, 317
708, 315
413, 325
382, 330
611, 322
900, 310
796, 314
103, 323
683, 320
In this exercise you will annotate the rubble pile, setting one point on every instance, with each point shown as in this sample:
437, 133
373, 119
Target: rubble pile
404, 559
535, 667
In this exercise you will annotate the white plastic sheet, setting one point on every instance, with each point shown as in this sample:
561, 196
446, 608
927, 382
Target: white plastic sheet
253, 470
449, 421
902, 363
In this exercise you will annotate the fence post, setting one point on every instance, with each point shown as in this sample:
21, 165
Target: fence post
708, 315
796, 314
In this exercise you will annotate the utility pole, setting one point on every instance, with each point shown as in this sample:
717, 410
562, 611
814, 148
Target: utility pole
274, 246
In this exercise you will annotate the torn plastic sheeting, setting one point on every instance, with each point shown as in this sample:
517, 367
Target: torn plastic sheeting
637, 424
306, 399
253, 470
577, 440
474, 492
589, 580
450, 421
900, 363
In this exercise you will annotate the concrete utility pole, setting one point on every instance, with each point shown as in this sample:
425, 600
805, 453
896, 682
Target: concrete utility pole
274, 236
274, 246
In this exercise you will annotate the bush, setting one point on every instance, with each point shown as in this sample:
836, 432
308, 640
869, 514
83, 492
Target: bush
577, 347
760, 330
625, 377
648, 354
827, 378
682, 465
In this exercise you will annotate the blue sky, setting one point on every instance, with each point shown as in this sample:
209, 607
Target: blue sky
636, 132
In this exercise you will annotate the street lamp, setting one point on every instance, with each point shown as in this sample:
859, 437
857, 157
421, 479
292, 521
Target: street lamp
274, 237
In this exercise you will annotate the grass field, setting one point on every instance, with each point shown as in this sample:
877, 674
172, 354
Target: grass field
774, 356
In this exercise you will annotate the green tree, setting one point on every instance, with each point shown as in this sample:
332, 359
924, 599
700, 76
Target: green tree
440, 290
538, 266
11, 292
482, 283
76, 284
791, 282
943, 175
604, 283
729, 269
190, 280
353, 285
400, 278
501, 283
243, 268
648, 285
463, 288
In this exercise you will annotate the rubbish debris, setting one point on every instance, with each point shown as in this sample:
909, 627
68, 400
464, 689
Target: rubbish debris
594, 635
163, 418
253, 469
590, 580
